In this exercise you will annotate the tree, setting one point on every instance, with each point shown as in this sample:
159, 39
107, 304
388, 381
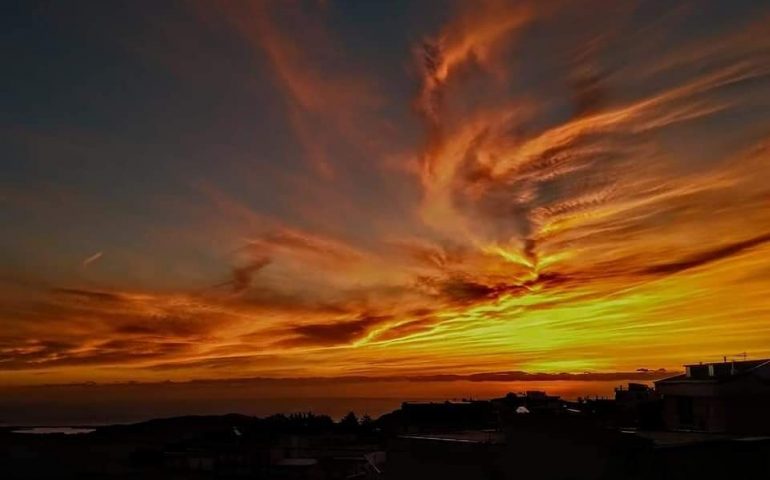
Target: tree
367, 424
349, 421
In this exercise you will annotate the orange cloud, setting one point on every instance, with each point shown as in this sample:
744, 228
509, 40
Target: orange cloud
325, 105
471, 38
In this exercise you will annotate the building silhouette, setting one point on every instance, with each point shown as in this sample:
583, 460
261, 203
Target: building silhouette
726, 397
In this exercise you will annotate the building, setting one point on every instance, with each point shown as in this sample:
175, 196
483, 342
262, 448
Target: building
446, 456
466, 415
637, 406
538, 401
633, 394
727, 397
534, 446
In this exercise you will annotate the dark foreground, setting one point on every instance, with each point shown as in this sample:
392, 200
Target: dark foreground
534, 436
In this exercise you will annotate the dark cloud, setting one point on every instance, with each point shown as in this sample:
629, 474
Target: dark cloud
166, 325
465, 290
45, 354
552, 280
705, 258
335, 333
243, 276
90, 295
460, 290
511, 376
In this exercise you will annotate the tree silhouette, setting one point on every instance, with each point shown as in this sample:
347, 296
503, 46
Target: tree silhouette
349, 422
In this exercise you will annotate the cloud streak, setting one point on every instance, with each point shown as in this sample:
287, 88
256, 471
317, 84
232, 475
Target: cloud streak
88, 261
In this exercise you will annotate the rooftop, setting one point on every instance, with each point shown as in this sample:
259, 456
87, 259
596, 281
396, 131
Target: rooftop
742, 364
715, 372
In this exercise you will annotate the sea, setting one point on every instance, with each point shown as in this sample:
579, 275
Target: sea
89, 405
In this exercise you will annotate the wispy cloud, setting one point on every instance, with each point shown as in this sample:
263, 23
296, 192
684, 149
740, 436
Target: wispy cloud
88, 261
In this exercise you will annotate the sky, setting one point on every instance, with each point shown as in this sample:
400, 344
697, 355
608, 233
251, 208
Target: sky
348, 192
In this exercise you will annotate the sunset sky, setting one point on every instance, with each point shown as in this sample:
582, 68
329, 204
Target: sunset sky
381, 190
